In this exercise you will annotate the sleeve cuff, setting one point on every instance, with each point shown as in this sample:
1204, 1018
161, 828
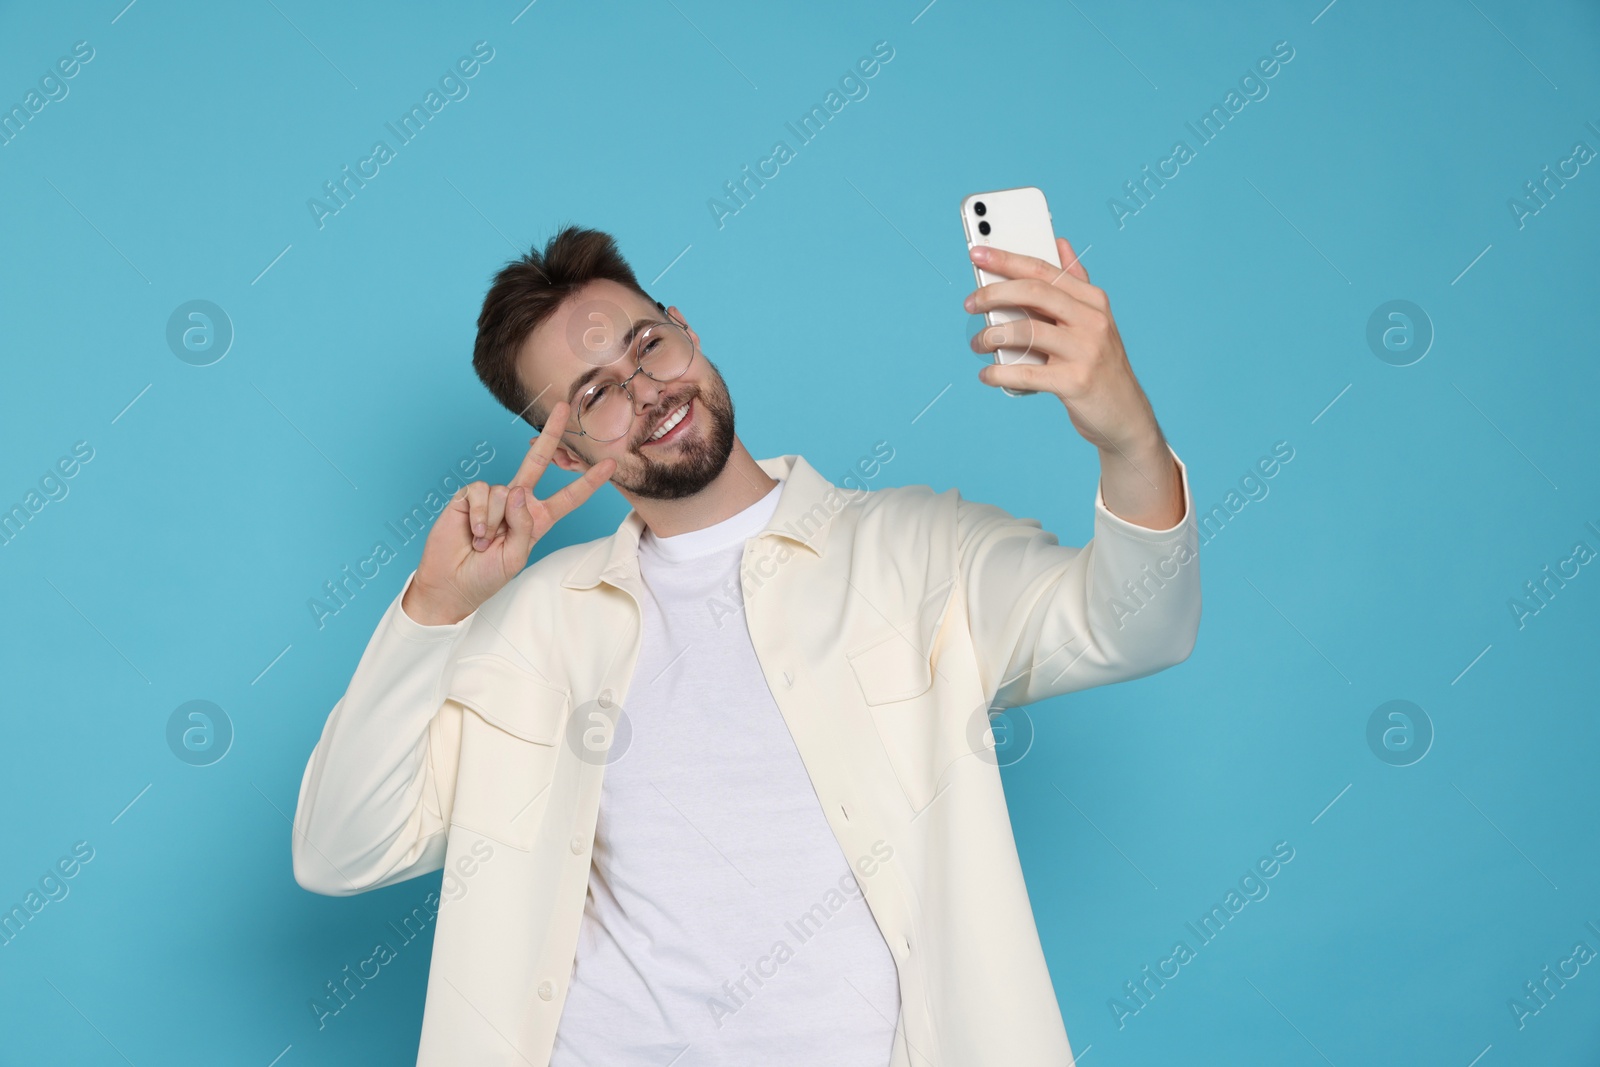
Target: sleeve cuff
1133, 529
408, 627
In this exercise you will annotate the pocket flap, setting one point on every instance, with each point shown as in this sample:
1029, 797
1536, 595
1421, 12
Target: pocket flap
892, 668
510, 697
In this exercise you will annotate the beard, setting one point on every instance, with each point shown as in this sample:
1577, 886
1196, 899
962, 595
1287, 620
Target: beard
689, 465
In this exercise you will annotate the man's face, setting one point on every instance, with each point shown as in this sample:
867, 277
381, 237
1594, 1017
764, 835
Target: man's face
585, 335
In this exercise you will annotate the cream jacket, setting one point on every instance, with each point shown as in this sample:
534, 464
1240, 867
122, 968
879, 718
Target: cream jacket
887, 622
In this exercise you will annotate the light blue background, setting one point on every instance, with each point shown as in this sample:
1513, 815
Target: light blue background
1379, 567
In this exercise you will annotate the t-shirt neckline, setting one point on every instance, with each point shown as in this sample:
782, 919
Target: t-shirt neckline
734, 530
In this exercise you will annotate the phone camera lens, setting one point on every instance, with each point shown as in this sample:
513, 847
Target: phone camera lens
983, 228
978, 208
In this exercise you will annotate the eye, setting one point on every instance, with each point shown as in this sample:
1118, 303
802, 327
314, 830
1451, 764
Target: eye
590, 399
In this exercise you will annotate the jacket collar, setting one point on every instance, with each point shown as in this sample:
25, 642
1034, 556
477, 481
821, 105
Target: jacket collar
802, 516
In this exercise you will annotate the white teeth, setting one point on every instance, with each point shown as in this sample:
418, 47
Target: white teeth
672, 420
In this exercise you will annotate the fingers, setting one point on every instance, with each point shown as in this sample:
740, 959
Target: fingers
520, 538
1069, 259
1029, 335
574, 493
1024, 377
1071, 277
1012, 264
1032, 294
478, 513
497, 511
539, 452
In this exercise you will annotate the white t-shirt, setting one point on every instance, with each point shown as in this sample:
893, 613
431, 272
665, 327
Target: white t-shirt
722, 920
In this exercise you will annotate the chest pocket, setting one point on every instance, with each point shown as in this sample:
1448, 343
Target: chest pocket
920, 728
509, 739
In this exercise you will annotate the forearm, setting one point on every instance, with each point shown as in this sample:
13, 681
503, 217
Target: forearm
1140, 483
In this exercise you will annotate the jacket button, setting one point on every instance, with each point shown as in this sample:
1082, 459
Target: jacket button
546, 991
606, 696
577, 846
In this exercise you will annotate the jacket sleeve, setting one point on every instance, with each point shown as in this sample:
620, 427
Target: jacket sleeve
1048, 618
376, 795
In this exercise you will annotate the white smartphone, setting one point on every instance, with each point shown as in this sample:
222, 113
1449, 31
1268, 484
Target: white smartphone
1016, 220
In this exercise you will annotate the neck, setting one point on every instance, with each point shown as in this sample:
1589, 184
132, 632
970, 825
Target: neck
741, 483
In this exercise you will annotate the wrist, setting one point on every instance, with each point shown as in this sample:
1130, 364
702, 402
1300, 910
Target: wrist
1147, 446
426, 610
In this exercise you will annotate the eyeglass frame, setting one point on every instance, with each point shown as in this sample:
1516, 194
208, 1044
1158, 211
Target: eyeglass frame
637, 369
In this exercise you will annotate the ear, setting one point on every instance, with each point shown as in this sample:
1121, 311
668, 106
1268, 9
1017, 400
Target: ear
568, 460
676, 316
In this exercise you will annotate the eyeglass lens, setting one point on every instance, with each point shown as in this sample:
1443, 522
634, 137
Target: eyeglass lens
605, 411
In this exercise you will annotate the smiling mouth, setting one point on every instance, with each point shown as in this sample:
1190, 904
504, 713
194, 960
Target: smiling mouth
673, 426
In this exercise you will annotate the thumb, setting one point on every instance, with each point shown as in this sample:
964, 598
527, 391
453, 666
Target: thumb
519, 542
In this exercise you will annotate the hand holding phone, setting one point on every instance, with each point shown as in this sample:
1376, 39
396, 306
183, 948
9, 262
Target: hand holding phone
1016, 220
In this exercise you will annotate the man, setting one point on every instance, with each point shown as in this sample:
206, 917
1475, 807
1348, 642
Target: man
719, 788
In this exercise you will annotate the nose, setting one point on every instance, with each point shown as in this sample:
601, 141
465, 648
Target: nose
646, 393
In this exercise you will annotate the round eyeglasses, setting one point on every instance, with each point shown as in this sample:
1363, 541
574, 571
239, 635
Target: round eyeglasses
604, 412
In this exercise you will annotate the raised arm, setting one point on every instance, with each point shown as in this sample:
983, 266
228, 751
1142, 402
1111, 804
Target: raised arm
1047, 618
376, 796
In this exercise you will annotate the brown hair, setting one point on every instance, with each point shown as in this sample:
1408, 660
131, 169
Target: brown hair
528, 290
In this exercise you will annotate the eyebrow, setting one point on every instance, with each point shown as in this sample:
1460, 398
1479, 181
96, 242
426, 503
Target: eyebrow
594, 372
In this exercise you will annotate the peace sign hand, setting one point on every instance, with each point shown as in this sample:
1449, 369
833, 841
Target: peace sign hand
484, 536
